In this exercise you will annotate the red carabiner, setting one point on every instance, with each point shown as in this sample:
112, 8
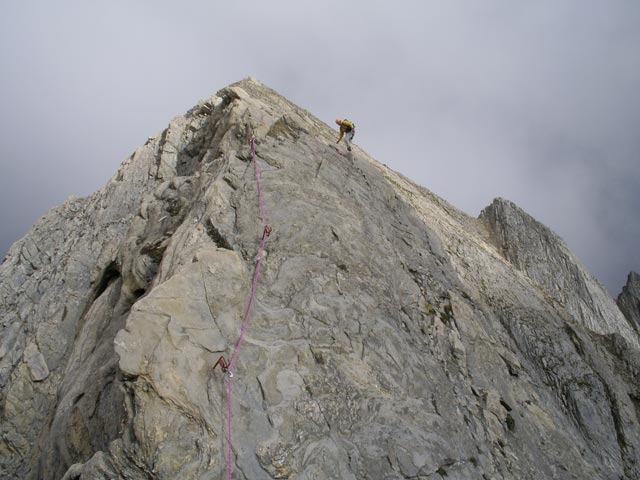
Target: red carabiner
224, 365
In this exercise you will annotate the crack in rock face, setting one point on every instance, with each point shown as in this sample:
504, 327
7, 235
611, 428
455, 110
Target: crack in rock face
391, 336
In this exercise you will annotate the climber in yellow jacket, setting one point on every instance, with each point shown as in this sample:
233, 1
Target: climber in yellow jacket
348, 130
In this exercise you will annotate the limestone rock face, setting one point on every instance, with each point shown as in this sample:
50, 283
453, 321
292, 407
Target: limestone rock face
392, 336
629, 300
549, 263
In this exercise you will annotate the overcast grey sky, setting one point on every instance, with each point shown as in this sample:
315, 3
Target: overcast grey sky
537, 102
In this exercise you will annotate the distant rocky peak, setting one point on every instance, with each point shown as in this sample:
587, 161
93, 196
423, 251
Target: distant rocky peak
629, 300
545, 258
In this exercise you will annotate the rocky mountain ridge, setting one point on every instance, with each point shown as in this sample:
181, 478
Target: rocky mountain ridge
629, 300
393, 336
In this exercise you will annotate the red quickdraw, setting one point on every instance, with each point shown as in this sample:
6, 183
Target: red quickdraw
224, 365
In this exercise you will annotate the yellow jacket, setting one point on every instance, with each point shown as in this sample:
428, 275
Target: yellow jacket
345, 127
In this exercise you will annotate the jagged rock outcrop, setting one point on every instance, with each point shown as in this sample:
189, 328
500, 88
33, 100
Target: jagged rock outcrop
629, 300
393, 336
549, 263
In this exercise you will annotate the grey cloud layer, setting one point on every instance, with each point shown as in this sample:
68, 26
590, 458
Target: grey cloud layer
536, 103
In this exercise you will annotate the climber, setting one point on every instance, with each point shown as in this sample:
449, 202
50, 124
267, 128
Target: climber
348, 129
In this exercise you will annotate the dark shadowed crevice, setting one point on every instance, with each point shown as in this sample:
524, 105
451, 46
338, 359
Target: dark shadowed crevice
635, 399
138, 293
216, 236
109, 275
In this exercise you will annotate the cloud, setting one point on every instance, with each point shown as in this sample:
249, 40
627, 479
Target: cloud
535, 102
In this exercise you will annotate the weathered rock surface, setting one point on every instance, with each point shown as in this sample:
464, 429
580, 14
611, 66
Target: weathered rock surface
629, 300
392, 337
549, 263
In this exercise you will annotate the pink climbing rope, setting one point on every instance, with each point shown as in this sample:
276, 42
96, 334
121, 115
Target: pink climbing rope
229, 367
257, 173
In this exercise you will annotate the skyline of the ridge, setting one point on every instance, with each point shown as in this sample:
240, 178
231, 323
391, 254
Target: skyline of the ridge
536, 103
